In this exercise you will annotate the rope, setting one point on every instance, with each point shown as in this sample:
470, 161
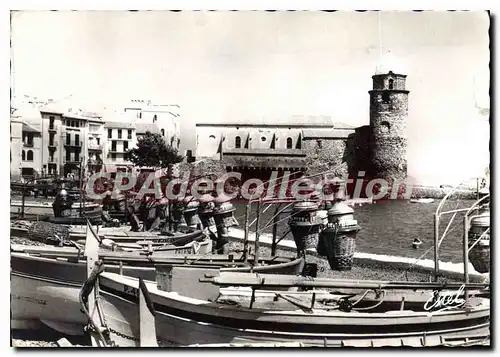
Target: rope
370, 307
480, 237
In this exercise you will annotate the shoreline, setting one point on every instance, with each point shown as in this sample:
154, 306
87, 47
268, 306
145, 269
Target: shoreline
448, 269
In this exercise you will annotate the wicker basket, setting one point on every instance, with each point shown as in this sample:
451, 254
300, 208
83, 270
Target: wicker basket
305, 237
479, 256
344, 247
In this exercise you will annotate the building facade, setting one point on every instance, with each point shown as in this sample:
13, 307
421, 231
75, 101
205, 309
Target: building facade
59, 137
257, 149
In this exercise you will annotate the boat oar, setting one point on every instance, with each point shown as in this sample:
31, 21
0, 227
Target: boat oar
273, 280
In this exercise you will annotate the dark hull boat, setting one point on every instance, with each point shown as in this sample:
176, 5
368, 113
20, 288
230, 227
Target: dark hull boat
118, 235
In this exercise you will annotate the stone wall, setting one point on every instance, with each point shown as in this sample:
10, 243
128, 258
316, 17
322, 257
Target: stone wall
361, 152
324, 155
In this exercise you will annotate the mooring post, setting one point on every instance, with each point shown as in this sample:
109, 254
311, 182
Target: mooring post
436, 246
169, 216
247, 228
275, 229
466, 256
257, 234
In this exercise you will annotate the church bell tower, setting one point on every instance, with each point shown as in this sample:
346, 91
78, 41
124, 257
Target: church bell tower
388, 117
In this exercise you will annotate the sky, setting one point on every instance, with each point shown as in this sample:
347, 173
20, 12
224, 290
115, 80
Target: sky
224, 66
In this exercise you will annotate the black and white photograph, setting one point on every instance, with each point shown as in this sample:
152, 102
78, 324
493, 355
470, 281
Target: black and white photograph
256, 179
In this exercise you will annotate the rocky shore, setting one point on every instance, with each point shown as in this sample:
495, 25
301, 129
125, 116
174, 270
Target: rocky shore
439, 193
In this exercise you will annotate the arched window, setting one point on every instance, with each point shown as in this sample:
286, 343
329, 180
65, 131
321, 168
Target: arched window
391, 83
154, 118
289, 143
237, 142
29, 156
23, 155
162, 132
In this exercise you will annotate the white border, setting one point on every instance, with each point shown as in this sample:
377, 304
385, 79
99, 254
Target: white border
184, 5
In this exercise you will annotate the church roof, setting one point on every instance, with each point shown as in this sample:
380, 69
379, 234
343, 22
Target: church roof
277, 121
326, 134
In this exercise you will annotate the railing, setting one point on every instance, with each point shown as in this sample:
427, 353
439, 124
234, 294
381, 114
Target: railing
95, 147
28, 145
118, 150
74, 143
466, 225
71, 161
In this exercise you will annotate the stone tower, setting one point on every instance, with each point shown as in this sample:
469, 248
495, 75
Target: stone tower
388, 114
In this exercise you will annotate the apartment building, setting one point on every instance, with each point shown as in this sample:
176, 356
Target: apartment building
52, 151
31, 162
16, 127
95, 144
120, 137
157, 118
57, 138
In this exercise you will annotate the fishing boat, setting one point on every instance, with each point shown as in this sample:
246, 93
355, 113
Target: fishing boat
120, 235
422, 200
276, 308
314, 318
46, 281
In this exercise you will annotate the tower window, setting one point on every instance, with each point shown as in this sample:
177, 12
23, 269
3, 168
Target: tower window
391, 83
237, 142
319, 144
162, 132
385, 97
289, 143
29, 156
23, 156
385, 127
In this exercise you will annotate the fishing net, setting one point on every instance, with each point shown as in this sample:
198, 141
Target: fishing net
49, 233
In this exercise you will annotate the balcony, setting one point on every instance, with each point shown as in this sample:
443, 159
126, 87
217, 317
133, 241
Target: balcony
28, 144
74, 143
52, 128
52, 144
118, 150
95, 147
52, 160
95, 162
75, 161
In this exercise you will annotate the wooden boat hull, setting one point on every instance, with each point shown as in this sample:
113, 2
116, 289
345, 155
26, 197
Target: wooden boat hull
183, 321
125, 235
45, 290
